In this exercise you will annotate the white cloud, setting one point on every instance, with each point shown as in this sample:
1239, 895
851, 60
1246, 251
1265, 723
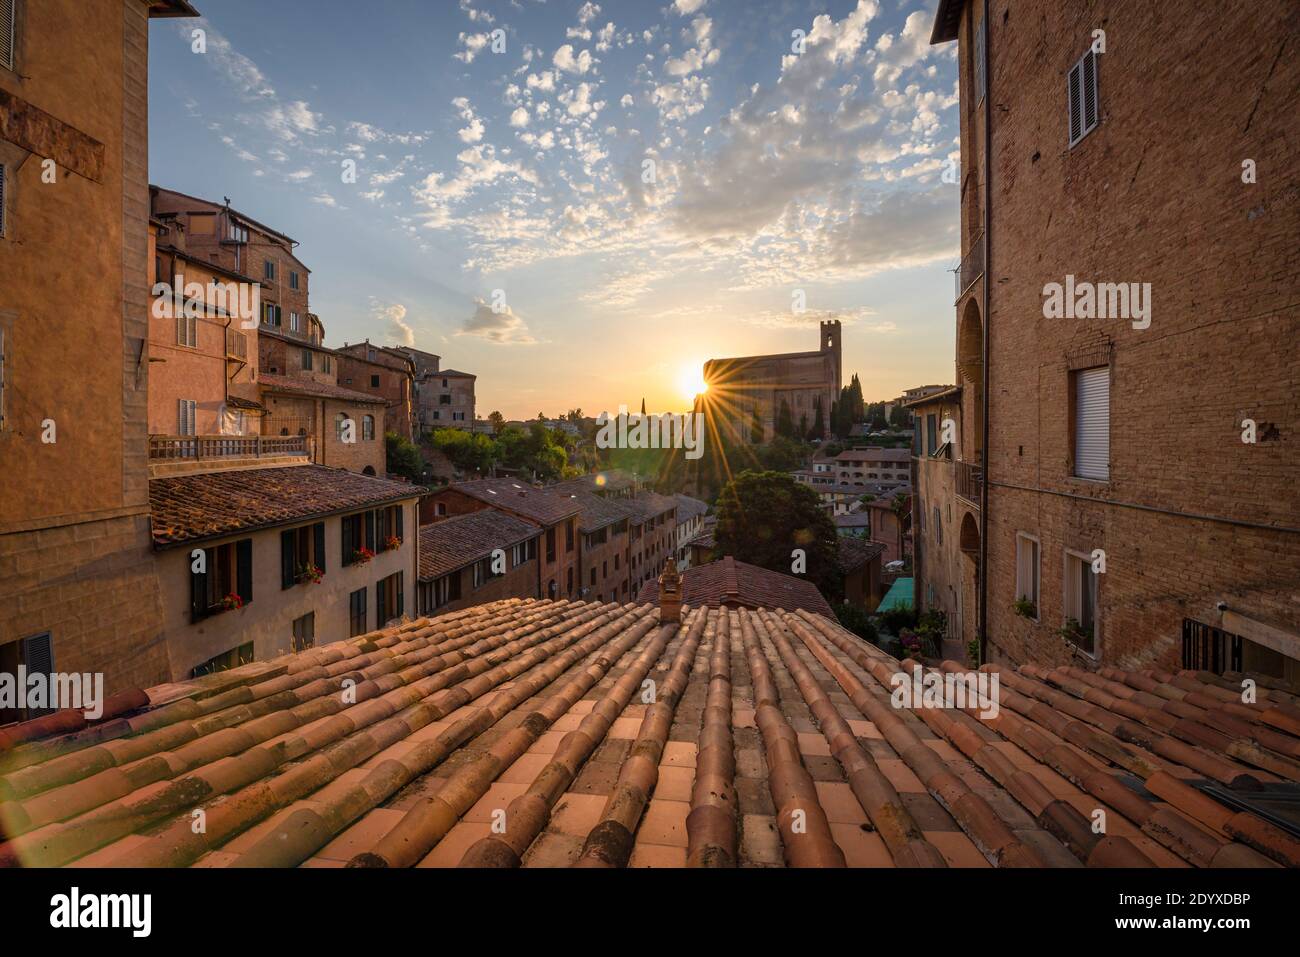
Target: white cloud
504, 327
519, 117
566, 61
474, 44
393, 315
687, 7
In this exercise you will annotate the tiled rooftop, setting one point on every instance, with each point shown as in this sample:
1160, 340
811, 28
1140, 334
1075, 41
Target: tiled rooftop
515, 733
209, 504
855, 552
729, 582
688, 508
543, 505
455, 542
293, 386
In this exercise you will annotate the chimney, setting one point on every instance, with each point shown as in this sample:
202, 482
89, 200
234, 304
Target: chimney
670, 594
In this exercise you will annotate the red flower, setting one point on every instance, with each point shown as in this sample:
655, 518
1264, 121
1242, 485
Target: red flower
232, 601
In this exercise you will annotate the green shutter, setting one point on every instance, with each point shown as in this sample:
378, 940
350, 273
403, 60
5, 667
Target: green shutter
244, 568
199, 588
348, 546
319, 532
287, 560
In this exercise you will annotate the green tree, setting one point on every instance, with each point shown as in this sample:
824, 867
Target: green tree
498, 422
764, 516
756, 429
784, 420
402, 457
468, 451
819, 421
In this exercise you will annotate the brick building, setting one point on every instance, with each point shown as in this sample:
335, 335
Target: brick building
1159, 442
883, 468
387, 373
475, 558
216, 233
555, 514
345, 428
757, 386
78, 589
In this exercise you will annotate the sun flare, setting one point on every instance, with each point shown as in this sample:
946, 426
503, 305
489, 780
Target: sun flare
690, 380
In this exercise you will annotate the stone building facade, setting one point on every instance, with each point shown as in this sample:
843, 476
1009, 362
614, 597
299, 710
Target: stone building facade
383, 372
1140, 469
756, 386
78, 588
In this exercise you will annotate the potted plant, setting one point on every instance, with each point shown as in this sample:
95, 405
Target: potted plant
309, 573
973, 652
1074, 632
362, 556
232, 602
1025, 607
391, 542
911, 643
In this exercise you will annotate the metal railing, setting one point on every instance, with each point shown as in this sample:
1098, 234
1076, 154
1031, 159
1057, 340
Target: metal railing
969, 478
163, 448
972, 264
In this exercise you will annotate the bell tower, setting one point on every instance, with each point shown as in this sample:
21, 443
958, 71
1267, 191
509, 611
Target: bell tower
830, 343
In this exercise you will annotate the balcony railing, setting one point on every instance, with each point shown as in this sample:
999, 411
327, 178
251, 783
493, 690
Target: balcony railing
972, 264
236, 345
969, 479
179, 448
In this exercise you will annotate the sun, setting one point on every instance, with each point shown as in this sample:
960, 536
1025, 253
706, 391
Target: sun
690, 380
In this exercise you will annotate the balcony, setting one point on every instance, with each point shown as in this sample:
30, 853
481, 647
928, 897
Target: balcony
969, 479
972, 265
199, 448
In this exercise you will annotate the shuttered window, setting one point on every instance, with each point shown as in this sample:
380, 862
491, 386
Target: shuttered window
1092, 423
1080, 599
7, 33
36, 655
357, 612
1083, 100
185, 417
1027, 570
187, 327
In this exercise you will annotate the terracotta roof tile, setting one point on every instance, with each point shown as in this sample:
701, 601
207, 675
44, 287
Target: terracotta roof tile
732, 583
544, 505
856, 552
209, 504
458, 541
533, 707
292, 386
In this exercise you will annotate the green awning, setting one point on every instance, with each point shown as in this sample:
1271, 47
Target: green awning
899, 595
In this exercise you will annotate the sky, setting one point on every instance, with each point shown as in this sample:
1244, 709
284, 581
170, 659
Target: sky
581, 202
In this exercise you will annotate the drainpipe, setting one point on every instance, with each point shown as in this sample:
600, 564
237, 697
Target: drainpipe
984, 295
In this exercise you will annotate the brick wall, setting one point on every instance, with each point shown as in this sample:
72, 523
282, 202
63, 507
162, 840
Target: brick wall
1190, 515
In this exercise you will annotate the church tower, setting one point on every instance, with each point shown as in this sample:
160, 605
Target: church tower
830, 344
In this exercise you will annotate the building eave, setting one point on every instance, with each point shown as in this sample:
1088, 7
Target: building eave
947, 20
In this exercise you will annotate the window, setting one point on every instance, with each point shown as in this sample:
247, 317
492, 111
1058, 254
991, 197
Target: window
1092, 423
439, 508
221, 578
293, 279
358, 533
1081, 88
981, 40
931, 433
569, 584
238, 232
187, 326
938, 525
325, 363
185, 416
304, 632
270, 314
483, 572
593, 575
36, 655
389, 599
388, 524
233, 658
367, 426
444, 383
268, 269
1027, 571
446, 589
294, 324
550, 544
374, 382
569, 536
458, 416
357, 613
444, 400
1080, 602
341, 425
2, 185
302, 555
306, 360
523, 552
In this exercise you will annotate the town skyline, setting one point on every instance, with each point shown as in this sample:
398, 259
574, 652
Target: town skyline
519, 174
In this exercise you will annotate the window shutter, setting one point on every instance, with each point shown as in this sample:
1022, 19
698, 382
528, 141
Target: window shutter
199, 589
319, 534
370, 530
1092, 423
1076, 103
348, 546
7, 34
381, 615
400, 534
244, 568
1084, 100
401, 595
287, 561
1089, 84
38, 658
2, 183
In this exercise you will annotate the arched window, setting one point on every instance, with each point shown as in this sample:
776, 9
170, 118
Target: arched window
367, 426
368, 470
340, 424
